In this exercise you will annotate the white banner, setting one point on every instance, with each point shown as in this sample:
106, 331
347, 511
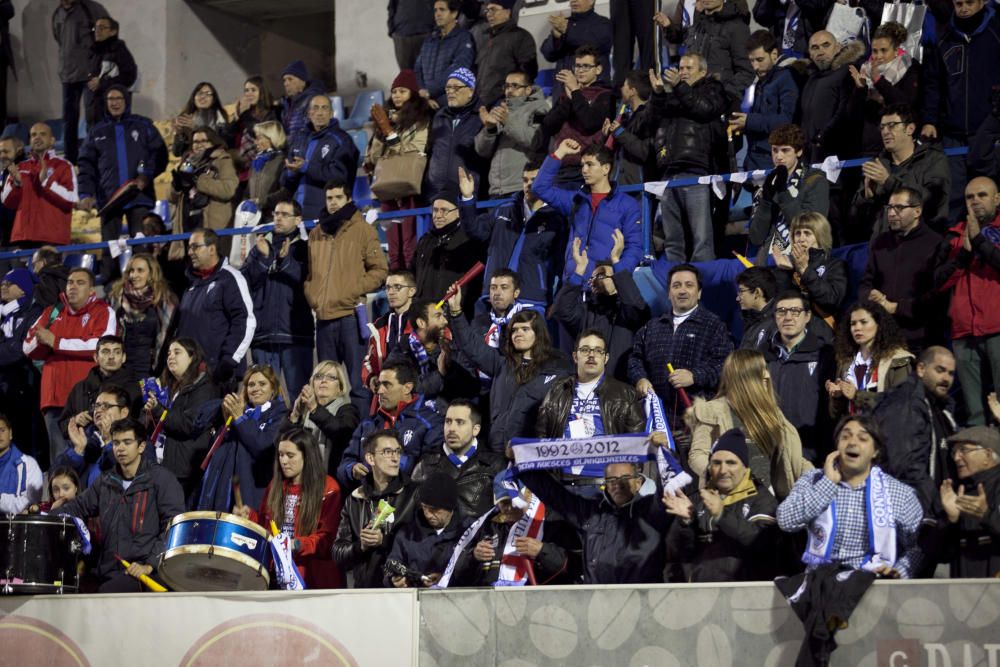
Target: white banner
568, 452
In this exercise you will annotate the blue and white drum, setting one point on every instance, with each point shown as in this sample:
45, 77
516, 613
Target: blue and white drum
215, 551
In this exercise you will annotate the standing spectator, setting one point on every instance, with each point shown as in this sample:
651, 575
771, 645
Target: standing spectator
690, 338
793, 187
202, 110
216, 310
109, 368
512, 134
969, 265
319, 153
265, 169
65, 338
687, 144
598, 213
43, 190
50, 276
903, 164
254, 106
300, 89
122, 147
72, 27
275, 271
900, 272
452, 141
11, 153
583, 27
632, 23
346, 262
324, 408
507, 48
960, 69
6, 54
775, 95
391, 329
409, 117
823, 113
633, 130
18, 376
145, 307
448, 48
424, 348
410, 23
755, 291
580, 111
204, 184
110, 62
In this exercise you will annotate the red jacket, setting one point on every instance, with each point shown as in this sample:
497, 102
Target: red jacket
378, 345
72, 353
44, 201
314, 557
975, 277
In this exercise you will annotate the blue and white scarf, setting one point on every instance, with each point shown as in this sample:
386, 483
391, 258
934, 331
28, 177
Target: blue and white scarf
547, 453
879, 517
459, 460
13, 472
420, 352
495, 332
673, 477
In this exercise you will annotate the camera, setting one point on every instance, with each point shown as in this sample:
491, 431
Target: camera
414, 579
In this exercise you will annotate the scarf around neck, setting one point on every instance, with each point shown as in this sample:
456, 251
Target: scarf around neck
13, 479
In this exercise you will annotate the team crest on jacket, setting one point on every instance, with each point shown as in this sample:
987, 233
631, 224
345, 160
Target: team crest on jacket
86, 318
211, 286
820, 270
548, 379
812, 367
326, 149
135, 135
407, 437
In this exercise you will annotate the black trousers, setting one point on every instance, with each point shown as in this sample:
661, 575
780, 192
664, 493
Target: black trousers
632, 21
72, 96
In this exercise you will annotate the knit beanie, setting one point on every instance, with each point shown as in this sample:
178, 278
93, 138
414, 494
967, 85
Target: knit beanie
24, 279
439, 490
406, 79
733, 441
464, 75
297, 68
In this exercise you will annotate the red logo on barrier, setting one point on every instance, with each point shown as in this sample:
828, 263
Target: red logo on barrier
899, 653
29, 641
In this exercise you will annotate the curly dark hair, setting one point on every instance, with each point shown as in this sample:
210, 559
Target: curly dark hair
541, 351
888, 337
415, 112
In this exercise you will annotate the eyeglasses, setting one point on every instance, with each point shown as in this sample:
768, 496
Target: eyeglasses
794, 312
106, 406
397, 288
624, 479
966, 450
891, 125
329, 377
390, 453
587, 351
509, 86
584, 66
898, 208
454, 89
204, 93
443, 211
492, 10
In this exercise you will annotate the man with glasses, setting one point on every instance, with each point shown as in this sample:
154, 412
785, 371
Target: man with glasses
970, 533
755, 291
452, 138
110, 369
110, 62
275, 271
568, 33
361, 547
899, 275
903, 162
506, 48
392, 328
445, 50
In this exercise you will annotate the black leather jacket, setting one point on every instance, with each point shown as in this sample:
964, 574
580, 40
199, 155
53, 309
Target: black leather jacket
474, 479
621, 408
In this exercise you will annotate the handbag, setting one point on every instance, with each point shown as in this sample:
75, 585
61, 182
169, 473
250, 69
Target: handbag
911, 16
399, 176
847, 23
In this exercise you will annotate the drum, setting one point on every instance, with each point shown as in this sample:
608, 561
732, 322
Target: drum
215, 551
38, 554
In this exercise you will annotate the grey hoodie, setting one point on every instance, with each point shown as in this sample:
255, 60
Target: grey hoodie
510, 145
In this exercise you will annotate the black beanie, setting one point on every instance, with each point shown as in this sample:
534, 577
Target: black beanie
439, 490
733, 441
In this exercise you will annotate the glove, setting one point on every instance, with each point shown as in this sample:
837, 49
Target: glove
776, 181
223, 373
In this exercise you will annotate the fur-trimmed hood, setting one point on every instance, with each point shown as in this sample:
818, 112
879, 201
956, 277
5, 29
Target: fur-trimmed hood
850, 54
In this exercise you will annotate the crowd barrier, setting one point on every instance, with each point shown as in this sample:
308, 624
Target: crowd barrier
929, 623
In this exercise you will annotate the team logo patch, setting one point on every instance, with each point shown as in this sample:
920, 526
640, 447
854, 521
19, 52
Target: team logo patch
325, 151
86, 318
812, 367
135, 135
407, 437
820, 270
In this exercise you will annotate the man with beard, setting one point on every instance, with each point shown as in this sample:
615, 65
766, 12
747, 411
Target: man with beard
11, 152
823, 104
391, 329
969, 264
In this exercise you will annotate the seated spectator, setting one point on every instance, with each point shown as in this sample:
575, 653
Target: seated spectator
299, 89
579, 112
409, 118
263, 171
42, 189
110, 368
391, 329
597, 213
889, 78
746, 401
145, 307
512, 134
526, 237
424, 544
971, 535
202, 110
20, 476
204, 183
507, 48
275, 272
135, 484
836, 506
18, 376
461, 459
254, 416
567, 34
774, 96
520, 369
899, 275
183, 439
305, 503
903, 163
792, 188
800, 362
323, 407
169, 256
400, 408
89, 451
448, 48
255, 106
111, 63
606, 301
688, 144
63, 483
727, 530
632, 130
320, 152
452, 143
755, 291
823, 106
216, 310
689, 338
871, 358
361, 546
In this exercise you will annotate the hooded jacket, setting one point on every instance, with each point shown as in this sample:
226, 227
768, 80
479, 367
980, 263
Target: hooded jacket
509, 146
276, 286
217, 311
294, 110
452, 145
330, 155
187, 429
823, 108
423, 549
973, 276
210, 203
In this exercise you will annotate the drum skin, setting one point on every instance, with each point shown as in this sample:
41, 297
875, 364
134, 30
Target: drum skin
215, 551
38, 554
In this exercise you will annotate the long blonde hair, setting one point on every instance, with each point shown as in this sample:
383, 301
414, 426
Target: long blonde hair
161, 291
752, 398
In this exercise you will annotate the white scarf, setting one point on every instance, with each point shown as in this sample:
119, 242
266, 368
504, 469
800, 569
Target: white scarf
893, 71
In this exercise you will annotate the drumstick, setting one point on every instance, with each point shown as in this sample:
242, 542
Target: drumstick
218, 441
237, 496
144, 578
680, 390
469, 275
743, 260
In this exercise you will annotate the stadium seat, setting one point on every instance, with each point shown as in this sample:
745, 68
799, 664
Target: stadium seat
79, 260
362, 109
16, 130
337, 104
59, 132
545, 79
360, 138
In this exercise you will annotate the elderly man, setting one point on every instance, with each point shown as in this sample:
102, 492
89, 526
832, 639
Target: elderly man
299, 90
972, 531
823, 105
452, 139
507, 48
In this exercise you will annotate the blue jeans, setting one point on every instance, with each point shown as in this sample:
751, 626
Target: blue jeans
688, 204
293, 360
340, 340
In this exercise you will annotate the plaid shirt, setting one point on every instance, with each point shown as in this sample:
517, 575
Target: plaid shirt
814, 492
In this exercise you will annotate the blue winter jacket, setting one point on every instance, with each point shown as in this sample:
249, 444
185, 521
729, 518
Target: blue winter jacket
617, 211
294, 111
452, 144
774, 104
276, 286
217, 312
440, 56
330, 155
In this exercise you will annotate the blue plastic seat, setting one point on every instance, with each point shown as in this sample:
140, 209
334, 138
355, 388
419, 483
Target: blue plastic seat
362, 108
79, 260
337, 104
362, 194
360, 138
545, 78
58, 132
19, 130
